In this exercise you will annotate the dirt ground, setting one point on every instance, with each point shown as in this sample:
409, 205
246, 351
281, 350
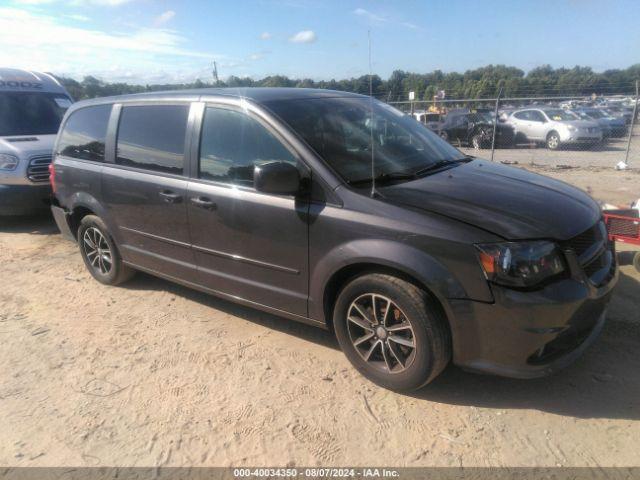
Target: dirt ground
151, 373
606, 155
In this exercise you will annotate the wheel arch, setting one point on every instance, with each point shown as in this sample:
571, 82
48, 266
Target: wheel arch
402, 261
551, 132
346, 274
81, 205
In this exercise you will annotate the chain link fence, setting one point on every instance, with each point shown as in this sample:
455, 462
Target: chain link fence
561, 132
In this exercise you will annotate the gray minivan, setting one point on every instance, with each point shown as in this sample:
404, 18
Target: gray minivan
32, 105
337, 210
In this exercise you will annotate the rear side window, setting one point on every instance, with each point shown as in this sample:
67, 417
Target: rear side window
525, 115
233, 144
84, 133
152, 137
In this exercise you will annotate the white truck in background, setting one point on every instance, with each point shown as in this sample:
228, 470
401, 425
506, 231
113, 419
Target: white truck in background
32, 105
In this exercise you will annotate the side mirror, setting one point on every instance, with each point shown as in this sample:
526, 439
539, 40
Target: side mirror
280, 178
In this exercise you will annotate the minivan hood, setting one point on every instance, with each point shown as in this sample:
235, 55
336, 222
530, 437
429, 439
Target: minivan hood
510, 202
26, 144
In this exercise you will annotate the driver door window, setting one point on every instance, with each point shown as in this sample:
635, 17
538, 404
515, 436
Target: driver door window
233, 143
537, 117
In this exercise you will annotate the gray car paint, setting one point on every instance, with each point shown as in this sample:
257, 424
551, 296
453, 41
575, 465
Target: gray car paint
425, 229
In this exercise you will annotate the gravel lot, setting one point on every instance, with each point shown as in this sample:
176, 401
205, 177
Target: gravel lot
151, 373
606, 156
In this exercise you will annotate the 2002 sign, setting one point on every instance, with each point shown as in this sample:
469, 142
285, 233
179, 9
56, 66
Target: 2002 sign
20, 84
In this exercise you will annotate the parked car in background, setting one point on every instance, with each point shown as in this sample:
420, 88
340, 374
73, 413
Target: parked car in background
431, 120
294, 202
463, 127
620, 111
611, 126
32, 105
554, 127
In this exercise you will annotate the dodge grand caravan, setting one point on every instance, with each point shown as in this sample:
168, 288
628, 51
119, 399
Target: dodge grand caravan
31, 107
341, 212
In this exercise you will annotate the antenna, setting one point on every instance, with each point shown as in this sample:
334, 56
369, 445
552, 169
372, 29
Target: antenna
373, 156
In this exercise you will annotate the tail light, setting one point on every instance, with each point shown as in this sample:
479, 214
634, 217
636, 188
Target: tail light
52, 177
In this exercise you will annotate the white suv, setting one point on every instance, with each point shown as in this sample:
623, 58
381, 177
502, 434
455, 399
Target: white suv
554, 127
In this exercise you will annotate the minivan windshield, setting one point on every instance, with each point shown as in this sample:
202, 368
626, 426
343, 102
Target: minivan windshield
342, 131
31, 113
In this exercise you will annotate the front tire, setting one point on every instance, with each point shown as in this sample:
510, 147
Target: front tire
99, 252
553, 141
477, 141
391, 331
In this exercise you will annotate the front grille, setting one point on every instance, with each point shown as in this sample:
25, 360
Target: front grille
38, 170
595, 253
582, 243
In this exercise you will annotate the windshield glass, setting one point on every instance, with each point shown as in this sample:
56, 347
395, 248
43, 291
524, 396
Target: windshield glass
559, 115
31, 113
340, 131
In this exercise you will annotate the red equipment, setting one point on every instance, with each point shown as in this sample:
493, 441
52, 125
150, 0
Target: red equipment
624, 226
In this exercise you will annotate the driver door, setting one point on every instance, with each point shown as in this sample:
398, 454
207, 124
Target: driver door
248, 244
537, 125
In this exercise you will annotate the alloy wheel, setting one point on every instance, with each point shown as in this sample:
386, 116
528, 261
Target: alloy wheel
381, 333
97, 250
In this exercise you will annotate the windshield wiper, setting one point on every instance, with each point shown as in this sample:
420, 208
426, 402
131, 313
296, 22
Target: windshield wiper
385, 177
404, 175
434, 167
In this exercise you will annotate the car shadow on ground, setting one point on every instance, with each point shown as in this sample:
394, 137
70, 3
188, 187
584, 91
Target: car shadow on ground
40, 224
143, 281
604, 383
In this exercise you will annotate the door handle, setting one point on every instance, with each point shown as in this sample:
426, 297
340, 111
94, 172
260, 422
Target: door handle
170, 197
204, 202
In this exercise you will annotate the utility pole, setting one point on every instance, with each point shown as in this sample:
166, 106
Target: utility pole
215, 73
633, 121
495, 124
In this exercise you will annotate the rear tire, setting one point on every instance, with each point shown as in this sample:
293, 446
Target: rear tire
636, 261
391, 331
99, 252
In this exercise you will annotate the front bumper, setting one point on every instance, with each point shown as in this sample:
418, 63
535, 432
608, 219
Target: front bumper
24, 199
581, 137
529, 334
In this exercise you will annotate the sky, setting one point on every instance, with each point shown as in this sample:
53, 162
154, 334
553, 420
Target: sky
168, 41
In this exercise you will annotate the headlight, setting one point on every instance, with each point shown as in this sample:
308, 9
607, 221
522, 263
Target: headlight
520, 264
8, 162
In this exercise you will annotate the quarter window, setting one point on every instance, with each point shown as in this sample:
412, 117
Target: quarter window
153, 137
233, 144
84, 133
